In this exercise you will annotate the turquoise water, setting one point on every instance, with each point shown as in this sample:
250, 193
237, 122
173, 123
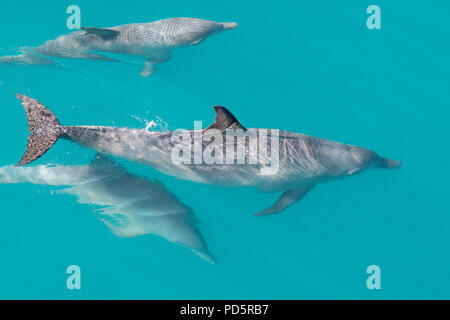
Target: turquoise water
308, 67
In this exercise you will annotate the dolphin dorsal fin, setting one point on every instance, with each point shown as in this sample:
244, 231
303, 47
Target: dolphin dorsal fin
102, 160
106, 34
224, 120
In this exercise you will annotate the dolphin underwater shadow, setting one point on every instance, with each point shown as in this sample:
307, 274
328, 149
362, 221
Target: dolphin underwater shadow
130, 205
303, 161
153, 41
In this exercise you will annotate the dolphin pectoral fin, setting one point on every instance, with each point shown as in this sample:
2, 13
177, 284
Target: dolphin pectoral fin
288, 198
105, 34
163, 57
149, 65
148, 69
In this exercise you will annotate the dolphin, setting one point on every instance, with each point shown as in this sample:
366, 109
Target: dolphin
303, 161
153, 41
130, 205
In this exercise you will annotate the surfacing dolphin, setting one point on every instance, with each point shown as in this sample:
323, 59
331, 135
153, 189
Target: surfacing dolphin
130, 205
153, 40
303, 161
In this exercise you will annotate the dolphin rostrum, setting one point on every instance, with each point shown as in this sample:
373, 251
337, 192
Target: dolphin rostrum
130, 205
153, 40
302, 161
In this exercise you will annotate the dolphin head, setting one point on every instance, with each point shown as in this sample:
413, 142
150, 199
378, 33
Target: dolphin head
359, 159
196, 30
228, 25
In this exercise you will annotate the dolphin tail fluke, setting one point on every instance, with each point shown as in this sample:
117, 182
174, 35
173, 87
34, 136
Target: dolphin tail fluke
45, 129
229, 25
389, 163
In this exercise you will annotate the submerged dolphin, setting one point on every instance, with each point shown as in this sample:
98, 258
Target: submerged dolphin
153, 40
304, 161
130, 205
